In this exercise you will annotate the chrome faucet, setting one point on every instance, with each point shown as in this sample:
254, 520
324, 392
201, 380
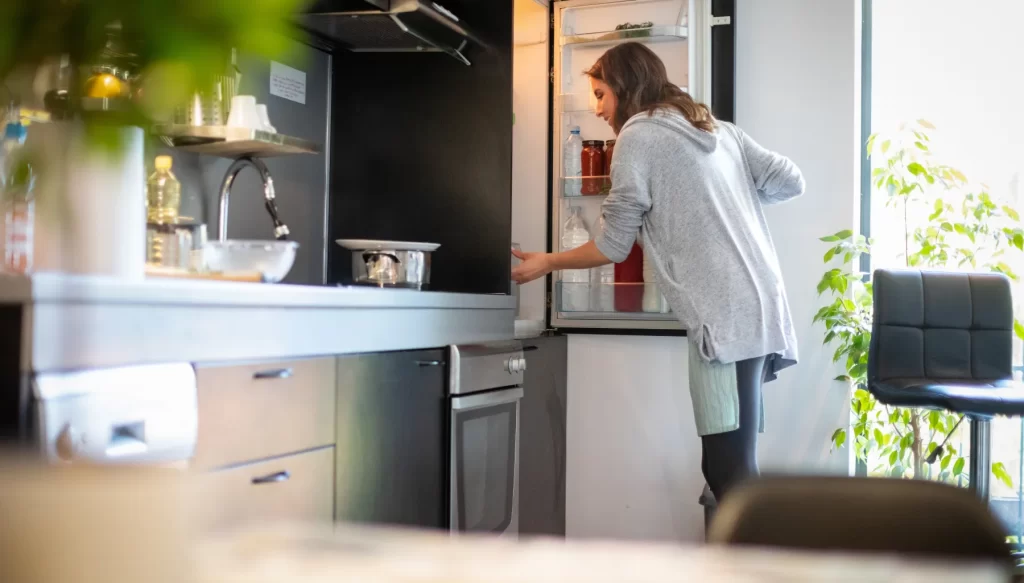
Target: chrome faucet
280, 229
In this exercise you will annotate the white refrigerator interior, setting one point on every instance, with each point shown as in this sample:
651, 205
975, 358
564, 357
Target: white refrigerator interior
531, 107
678, 31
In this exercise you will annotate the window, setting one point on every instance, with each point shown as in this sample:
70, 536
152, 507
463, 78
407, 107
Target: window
960, 66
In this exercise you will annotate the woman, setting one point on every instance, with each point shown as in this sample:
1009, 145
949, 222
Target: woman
694, 188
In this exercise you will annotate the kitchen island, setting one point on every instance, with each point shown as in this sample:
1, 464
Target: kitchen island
268, 391
66, 322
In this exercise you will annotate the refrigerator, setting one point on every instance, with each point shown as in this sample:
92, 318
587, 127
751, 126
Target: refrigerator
695, 39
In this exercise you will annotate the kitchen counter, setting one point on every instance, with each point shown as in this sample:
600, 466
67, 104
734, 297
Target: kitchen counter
71, 321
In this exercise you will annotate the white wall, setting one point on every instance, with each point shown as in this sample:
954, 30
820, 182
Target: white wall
798, 93
634, 457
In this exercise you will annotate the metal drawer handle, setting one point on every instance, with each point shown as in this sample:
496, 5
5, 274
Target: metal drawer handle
429, 362
281, 476
277, 373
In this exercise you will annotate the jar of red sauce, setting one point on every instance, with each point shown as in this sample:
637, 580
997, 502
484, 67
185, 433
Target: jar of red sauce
593, 167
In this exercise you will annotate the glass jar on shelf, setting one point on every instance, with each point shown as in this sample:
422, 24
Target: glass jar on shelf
592, 160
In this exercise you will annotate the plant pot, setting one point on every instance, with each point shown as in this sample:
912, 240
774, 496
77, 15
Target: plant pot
90, 198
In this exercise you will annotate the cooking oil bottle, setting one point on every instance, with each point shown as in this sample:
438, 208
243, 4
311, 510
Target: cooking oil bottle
163, 193
163, 199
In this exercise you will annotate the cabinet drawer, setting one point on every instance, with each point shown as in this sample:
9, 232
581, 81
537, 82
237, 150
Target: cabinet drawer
297, 487
256, 411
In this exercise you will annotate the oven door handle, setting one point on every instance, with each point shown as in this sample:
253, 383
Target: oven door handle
465, 402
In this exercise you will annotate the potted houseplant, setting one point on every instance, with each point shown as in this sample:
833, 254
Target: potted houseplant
103, 70
948, 222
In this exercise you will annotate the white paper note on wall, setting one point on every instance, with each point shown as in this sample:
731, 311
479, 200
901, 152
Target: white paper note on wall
287, 83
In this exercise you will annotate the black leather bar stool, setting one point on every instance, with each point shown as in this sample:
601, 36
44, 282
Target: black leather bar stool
869, 515
945, 341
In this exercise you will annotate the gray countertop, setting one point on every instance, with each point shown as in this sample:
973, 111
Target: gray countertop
75, 321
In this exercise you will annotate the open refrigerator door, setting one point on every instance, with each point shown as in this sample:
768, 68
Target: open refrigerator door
623, 297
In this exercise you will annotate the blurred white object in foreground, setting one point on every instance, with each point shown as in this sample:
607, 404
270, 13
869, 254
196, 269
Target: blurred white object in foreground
90, 209
381, 556
94, 525
128, 525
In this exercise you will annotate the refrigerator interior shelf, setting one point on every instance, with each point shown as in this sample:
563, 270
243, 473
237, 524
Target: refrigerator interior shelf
232, 142
609, 301
570, 184
657, 33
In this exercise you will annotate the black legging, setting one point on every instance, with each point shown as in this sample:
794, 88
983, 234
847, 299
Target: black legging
731, 457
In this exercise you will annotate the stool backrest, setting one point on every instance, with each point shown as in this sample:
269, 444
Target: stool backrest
941, 326
876, 515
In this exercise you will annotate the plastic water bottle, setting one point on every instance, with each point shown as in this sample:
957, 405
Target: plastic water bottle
572, 163
575, 291
602, 298
575, 234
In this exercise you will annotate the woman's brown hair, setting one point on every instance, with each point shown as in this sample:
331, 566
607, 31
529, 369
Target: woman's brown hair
640, 83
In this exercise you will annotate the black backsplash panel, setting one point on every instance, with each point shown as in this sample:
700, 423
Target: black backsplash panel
421, 150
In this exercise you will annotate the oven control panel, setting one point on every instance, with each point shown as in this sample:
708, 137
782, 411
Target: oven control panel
483, 367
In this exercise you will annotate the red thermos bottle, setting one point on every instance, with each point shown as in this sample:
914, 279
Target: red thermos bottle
630, 297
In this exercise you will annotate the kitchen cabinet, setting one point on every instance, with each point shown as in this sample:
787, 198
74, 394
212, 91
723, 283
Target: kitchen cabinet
392, 455
542, 442
264, 441
258, 410
293, 488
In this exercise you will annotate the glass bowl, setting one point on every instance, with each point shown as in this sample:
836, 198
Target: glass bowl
273, 259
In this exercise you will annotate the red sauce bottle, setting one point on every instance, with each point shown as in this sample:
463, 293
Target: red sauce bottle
629, 282
593, 166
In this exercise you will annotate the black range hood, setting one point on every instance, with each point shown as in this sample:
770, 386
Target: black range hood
389, 26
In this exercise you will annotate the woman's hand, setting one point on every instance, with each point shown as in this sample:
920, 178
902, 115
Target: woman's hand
534, 266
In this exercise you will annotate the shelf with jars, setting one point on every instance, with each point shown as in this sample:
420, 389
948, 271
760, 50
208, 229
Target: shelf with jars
575, 187
594, 169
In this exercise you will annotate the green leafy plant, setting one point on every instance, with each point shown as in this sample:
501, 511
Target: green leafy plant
177, 45
949, 223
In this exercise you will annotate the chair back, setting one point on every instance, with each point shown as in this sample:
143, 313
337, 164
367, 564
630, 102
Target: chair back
941, 326
878, 515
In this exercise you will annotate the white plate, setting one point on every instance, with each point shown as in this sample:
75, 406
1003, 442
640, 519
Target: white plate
372, 245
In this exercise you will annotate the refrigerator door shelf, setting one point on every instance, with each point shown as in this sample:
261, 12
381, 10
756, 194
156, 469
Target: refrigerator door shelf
603, 300
660, 33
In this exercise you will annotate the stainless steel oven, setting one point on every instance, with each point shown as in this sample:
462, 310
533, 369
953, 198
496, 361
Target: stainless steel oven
485, 388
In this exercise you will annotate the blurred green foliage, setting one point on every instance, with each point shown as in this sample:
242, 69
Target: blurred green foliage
180, 44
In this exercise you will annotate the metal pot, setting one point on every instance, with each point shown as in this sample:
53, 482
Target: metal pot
390, 263
391, 268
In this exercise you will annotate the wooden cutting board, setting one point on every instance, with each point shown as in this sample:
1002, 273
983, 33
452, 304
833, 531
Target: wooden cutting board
246, 276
